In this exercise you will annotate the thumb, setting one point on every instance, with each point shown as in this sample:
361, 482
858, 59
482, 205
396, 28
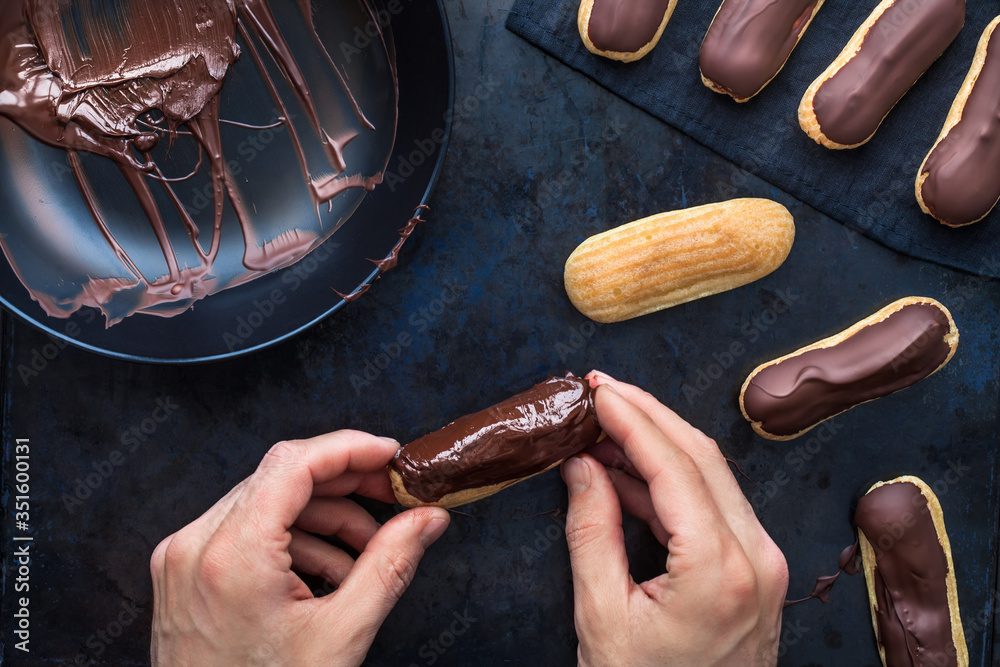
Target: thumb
386, 567
601, 580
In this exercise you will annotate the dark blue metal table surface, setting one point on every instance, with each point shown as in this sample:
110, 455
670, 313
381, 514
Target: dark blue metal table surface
124, 454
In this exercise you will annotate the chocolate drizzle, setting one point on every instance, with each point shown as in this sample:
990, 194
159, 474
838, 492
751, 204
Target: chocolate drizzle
749, 42
625, 25
898, 48
85, 76
963, 169
521, 436
883, 357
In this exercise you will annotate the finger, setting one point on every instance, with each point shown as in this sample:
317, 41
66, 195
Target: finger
375, 485
601, 581
672, 424
385, 569
635, 499
705, 452
341, 517
680, 494
723, 486
281, 487
311, 555
613, 456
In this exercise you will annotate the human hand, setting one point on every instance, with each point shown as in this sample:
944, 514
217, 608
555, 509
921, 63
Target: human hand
223, 586
720, 600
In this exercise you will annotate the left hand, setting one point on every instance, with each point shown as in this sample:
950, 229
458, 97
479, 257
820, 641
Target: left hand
224, 589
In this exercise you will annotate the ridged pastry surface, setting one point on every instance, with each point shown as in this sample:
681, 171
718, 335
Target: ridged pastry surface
671, 258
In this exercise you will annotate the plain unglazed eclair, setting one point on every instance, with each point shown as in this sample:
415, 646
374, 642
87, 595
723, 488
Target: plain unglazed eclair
910, 575
480, 454
624, 30
846, 104
896, 347
959, 181
749, 42
671, 258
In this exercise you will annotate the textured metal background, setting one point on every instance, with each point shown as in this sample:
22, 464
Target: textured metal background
540, 159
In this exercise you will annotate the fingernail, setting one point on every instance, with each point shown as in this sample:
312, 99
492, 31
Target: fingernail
576, 474
391, 441
595, 377
432, 531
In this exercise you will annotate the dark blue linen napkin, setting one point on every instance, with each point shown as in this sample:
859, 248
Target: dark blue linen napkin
870, 189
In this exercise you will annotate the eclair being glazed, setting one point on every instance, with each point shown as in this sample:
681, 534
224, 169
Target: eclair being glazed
896, 347
749, 42
891, 50
912, 590
959, 180
482, 453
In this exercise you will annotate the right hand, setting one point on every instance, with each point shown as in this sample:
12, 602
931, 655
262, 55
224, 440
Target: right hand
720, 600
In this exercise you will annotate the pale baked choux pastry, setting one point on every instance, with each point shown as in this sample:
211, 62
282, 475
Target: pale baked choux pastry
671, 258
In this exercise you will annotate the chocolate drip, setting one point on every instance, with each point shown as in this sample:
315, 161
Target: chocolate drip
849, 562
963, 170
879, 359
625, 25
521, 436
899, 47
84, 75
749, 42
914, 616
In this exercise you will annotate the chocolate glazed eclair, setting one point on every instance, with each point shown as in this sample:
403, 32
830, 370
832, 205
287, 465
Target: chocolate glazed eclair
624, 30
749, 42
959, 181
912, 590
898, 42
896, 347
483, 453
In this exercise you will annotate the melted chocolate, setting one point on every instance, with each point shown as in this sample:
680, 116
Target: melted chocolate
749, 42
899, 47
83, 75
963, 170
849, 562
879, 359
914, 617
392, 259
519, 437
625, 25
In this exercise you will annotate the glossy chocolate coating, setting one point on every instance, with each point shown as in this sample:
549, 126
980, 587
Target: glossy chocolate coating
750, 40
905, 40
625, 25
914, 622
521, 436
884, 357
963, 181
